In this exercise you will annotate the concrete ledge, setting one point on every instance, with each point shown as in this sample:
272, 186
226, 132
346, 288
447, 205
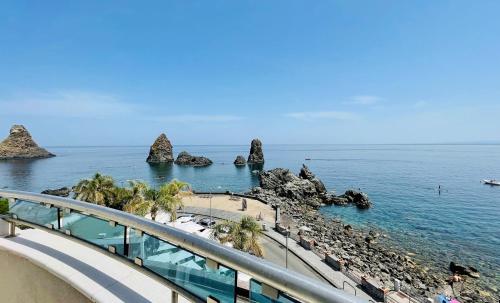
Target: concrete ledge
92, 273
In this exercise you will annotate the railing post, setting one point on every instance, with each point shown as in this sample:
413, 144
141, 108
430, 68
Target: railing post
12, 230
175, 297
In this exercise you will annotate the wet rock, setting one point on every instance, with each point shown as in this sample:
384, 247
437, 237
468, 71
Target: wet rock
357, 198
20, 145
60, 192
256, 154
161, 151
184, 158
240, 160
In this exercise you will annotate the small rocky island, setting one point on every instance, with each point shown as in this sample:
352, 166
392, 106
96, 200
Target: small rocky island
281, 187
240, 160
161, 151
256, 154
184, 158
20, 145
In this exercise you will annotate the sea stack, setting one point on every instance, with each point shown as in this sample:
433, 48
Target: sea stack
256, 155
240, 160
161, 151
184, 158
20, 145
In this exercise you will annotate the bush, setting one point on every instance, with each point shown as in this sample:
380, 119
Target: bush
4, 206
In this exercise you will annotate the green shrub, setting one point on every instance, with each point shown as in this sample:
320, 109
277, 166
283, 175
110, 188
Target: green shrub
4, 206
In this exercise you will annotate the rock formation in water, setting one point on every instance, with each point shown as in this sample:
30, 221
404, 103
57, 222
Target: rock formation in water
240, 160
281, 187
256, 155
20, 145
184, 158
60, 192
161, 151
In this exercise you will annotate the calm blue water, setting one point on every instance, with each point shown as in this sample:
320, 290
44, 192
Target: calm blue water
462, 223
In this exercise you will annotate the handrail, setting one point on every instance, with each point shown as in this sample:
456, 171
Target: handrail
297, 285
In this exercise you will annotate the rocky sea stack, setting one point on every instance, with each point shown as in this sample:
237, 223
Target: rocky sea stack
161, 151
240, 160
184, 158
256, 154
20, 145
281, 187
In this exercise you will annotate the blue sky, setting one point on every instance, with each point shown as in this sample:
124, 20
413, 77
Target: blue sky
224, 72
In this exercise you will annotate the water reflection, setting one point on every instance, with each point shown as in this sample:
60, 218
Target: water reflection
160, 173
18, 173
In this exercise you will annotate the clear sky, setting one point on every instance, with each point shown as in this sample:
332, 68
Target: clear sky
224, 72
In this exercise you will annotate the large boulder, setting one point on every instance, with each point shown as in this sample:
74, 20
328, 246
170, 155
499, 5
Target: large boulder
256, 154
357, 198
184, 158
60, 192
305, 173
20, 145
240, 160
161, 151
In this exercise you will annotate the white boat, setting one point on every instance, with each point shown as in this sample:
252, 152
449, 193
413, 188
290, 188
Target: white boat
491, 182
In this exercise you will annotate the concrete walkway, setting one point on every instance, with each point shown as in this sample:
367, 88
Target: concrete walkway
98, 276
335, 278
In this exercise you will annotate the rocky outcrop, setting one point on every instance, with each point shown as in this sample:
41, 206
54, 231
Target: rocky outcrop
184, 158
60, 192
281, 187
256, 154
161, 151
305, 173
357, 198
20, 145
240, 160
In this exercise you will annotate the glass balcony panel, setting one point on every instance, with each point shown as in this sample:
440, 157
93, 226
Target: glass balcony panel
34, 213
256, 295
95, 230
183, 268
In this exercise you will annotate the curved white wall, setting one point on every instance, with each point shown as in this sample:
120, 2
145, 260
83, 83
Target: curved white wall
22, 281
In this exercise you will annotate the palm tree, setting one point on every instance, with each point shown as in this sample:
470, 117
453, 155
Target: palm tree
146, 199
98, 190
170, 197
244, 235
137, 203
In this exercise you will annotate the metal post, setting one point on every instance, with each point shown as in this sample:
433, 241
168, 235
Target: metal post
175, 297
12, 231
286, 254
210, 223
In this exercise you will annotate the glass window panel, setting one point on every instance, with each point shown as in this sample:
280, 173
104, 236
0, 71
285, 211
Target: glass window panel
95, 230
34, 213
183, 268
256, 295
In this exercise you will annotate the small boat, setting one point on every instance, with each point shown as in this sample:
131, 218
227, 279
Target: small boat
491, 182
308, 159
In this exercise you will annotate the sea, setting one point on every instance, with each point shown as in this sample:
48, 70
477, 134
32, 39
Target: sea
427, 199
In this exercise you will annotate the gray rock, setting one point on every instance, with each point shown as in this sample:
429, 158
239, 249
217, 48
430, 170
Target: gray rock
240, 160
357, 198
20, 145
256, 154
161, 151
60, 192
305, 173
184, 158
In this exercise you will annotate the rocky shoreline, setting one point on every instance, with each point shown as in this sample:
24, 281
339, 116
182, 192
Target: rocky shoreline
367, 251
